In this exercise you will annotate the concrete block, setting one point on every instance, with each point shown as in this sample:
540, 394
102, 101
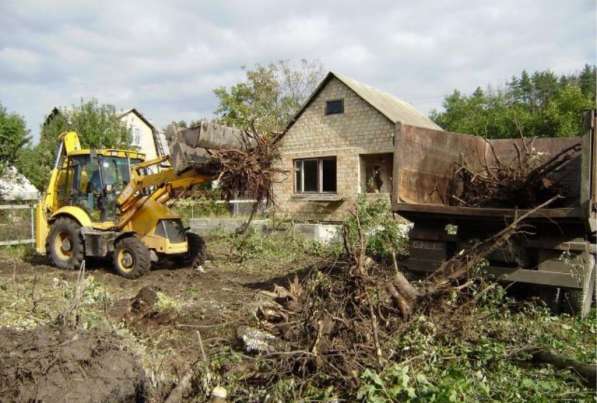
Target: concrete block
324, 233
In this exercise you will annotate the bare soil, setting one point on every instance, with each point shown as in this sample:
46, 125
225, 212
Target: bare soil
51, 364
211, 304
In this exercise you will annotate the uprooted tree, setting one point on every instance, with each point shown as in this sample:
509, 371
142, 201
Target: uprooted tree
345, 316
243, 161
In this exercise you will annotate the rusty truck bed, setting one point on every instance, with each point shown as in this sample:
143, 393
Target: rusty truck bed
424, 162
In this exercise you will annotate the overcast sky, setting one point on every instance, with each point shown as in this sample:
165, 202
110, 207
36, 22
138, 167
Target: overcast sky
166, 57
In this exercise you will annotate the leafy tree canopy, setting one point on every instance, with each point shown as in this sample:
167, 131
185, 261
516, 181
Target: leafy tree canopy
13, 137
269, 96
98, 126
541, 104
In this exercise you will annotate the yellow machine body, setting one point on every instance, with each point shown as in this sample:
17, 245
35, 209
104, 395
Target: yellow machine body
137, 194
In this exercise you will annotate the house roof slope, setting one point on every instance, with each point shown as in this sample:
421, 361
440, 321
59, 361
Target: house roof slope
139, 114
394, 109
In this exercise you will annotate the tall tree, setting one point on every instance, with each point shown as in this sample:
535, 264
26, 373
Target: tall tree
98, 126
13, 137
269, 96
537, 104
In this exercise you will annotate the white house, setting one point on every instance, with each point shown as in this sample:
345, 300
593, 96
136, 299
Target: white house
145, 136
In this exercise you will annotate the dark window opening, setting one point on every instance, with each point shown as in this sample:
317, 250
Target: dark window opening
328, 168
315, 175
310, 176
335, 106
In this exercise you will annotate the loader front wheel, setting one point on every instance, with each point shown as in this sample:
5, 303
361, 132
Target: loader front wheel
131, 257
64, 244
195, 256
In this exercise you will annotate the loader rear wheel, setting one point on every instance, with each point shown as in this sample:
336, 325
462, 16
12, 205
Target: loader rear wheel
195, 256
131, 257
64, 244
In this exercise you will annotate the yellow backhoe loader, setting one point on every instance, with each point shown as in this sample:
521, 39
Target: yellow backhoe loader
113, 203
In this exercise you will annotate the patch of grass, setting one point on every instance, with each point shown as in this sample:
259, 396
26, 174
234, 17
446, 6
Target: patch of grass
483, 362
279, 246
19, 252
167, 303
32, 300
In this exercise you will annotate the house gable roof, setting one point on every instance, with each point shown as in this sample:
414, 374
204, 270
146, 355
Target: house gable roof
394, 109
140, 115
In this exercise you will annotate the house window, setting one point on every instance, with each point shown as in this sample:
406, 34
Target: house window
335, 106
315, 175
136, 136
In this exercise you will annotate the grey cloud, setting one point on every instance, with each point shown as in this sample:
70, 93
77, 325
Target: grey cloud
166, 57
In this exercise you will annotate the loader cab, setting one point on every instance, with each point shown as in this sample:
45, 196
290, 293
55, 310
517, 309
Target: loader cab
92, 180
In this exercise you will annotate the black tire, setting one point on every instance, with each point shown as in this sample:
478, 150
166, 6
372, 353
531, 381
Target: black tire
196, 253
131, 257
64, 244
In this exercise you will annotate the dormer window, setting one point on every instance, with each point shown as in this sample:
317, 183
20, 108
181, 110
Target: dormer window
334, 106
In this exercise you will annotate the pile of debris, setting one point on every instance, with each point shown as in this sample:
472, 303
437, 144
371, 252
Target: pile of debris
345, 317
524, 180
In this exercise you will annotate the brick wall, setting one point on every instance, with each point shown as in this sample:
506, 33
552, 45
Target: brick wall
361, 129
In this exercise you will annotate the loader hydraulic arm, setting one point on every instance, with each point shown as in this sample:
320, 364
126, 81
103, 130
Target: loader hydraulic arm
160, 187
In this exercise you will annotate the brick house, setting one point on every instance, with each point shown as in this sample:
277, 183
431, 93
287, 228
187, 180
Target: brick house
339, 145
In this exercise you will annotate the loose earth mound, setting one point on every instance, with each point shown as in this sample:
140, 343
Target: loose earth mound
50, 364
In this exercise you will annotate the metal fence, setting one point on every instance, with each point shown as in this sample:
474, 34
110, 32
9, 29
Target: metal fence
17, 224
190, 208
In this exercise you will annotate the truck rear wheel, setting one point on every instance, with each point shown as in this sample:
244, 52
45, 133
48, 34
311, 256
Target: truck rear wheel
131, 257
196, 254
64, 244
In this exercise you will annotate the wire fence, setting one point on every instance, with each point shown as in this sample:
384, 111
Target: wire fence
17, 224
190, 208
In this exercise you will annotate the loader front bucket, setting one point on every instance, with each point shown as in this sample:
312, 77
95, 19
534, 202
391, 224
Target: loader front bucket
189, 147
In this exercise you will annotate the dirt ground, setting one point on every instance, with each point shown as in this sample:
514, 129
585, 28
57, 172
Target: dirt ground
49, 364
164, 318
190, 304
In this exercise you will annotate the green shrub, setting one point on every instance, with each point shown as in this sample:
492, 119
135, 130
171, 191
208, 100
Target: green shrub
383, 232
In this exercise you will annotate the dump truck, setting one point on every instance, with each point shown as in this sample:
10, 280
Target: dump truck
558, 257
113, 203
